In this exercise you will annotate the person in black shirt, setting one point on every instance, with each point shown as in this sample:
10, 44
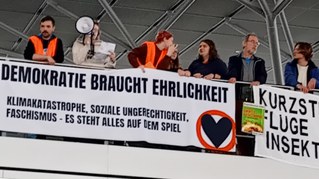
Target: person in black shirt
45, 46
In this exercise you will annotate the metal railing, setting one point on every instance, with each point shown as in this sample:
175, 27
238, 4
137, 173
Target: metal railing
241, 96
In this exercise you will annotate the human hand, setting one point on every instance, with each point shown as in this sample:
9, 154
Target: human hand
198, 75
217, 76
209, 76
174, 55
171, 49
254, 83
302, 88
312, 83
232, 80
112, 56
183, 72
50, 60
142, 68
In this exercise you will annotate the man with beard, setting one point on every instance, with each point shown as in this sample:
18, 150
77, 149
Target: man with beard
250, 68
45, 46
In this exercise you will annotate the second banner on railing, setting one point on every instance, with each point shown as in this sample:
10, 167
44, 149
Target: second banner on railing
291, 126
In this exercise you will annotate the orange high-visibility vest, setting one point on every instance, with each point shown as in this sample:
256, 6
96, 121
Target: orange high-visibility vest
38, 46
150, 57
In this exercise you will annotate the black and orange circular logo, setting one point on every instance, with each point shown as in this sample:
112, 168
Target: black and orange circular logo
216, 130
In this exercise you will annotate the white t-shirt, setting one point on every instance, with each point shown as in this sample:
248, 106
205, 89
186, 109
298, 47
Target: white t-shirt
302, 74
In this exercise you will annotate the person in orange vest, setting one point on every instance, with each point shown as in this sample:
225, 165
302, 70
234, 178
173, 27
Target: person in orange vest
161, 54
45, 46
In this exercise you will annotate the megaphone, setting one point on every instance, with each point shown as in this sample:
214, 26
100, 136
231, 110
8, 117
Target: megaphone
84, 25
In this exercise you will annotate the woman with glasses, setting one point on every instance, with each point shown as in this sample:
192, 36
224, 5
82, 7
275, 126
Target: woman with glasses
301, 72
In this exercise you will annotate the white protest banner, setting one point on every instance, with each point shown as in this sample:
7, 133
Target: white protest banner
155, 106
291, 126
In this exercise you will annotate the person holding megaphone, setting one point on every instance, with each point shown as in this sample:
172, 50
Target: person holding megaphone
89, 49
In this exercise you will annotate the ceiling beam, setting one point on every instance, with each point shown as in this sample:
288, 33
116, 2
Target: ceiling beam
152, 27
315, 47
118, 23
162, 22
11, 53
263, 42
212, 29
176, 14
280, 5
13, 31
252, 7
75, 17
61, 9
103, 12
30, 23
199, 38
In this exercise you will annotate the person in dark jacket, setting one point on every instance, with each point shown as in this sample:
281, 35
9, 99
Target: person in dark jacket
250, 68
301, 72
246, 66
208, 65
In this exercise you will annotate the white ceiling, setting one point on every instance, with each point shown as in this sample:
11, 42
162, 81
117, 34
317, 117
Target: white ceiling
189, 21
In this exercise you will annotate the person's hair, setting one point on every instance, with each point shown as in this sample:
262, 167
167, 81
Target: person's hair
305, 49
48, 18
174, 64
212, 49
162, 35
247, 37
97, 22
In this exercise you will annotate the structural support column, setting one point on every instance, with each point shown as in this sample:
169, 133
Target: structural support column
272, 30
287, 33
274, 50
285, 26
